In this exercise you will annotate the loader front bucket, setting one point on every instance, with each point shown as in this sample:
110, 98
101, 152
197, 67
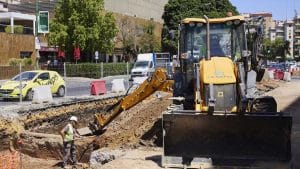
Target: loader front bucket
231, 137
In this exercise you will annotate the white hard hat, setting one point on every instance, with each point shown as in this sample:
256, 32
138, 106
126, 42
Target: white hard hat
74, 118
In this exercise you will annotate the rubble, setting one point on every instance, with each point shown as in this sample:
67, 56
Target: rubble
100, 157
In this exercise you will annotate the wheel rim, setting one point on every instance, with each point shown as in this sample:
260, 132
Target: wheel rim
30, 95
61, 91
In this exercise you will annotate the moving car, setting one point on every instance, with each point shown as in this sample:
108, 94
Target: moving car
30, 80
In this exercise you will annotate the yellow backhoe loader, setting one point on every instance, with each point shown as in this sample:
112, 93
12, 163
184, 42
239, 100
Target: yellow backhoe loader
217, 114
222, 118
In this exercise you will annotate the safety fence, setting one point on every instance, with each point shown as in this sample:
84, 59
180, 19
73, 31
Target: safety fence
91, 70
10, 160
7, 72
88, 70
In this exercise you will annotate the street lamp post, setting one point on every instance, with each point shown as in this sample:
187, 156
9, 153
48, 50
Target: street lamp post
36, 32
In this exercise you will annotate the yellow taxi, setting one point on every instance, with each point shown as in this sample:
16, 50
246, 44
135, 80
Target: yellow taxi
29, 80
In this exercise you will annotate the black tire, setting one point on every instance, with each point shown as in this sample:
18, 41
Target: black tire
61, 91
29, 95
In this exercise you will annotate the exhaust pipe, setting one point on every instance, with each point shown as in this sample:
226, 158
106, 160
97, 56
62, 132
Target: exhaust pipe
207, 38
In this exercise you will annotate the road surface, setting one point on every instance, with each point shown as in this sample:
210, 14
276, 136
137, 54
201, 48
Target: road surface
75, 87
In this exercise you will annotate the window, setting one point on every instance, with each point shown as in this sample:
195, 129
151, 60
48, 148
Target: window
44, 76
25, 76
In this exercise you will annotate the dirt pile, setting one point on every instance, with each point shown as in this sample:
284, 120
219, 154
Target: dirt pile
140, 122
8, 130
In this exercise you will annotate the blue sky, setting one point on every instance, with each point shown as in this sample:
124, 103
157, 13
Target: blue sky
281, 9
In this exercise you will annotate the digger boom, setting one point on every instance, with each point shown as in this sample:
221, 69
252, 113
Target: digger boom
156, 82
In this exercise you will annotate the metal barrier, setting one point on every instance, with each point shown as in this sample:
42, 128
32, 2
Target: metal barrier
7, 72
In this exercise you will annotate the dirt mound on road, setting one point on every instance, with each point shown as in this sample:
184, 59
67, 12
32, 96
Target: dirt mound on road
140, 122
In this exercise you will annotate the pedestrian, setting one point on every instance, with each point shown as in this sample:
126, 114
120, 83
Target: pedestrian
68, 134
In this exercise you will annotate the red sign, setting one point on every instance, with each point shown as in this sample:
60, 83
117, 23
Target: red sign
61, 54
76, 53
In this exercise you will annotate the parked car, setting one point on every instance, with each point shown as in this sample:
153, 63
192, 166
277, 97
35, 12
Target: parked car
31, 79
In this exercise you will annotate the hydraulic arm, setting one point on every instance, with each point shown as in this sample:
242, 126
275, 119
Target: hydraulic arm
156, 82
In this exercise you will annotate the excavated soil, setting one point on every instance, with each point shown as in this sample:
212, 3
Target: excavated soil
141, 122
38, 130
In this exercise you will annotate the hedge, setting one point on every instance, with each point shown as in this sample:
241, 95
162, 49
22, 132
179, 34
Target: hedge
17, 29
93, 70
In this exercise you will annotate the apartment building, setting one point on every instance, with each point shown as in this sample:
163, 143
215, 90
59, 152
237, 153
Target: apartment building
279, 29
289, 36
267, 22
297, 35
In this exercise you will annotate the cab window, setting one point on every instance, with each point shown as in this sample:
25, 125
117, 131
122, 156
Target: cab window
44, 76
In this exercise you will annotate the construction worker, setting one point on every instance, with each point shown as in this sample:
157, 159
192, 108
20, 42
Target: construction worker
68, 134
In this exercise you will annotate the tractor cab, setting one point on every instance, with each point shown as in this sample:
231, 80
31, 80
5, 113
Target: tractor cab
227, 38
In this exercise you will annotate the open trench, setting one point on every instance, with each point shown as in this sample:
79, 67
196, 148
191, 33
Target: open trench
39, 137
37, 132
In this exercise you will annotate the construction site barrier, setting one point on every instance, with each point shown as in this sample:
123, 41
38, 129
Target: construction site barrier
10, 160
278, 75
42, 94
118, 85
271, 74
287, 76
98, 87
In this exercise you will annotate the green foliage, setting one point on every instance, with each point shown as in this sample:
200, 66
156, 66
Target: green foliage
83, 24
128, 33
176, 10
27, 61
93, 70
16, 62
275, 49
149, 42
17, 29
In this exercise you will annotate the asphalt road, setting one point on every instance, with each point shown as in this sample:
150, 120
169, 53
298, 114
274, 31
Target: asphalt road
75, 87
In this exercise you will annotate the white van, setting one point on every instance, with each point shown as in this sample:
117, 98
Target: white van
143, 66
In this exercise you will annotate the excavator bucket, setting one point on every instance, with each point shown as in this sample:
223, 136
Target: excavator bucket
189, 135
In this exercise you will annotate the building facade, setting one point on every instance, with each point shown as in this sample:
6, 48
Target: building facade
289, 36
267, 22
297, 36
145, 9
279, 28
140, 11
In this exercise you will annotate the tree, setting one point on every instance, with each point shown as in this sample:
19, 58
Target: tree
128, 32
82, 24
176, 10
276, 49
149, 41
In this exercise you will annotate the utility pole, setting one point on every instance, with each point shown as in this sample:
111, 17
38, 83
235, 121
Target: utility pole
36, 33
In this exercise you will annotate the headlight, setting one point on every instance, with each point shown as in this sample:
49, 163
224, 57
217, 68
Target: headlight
18, 87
